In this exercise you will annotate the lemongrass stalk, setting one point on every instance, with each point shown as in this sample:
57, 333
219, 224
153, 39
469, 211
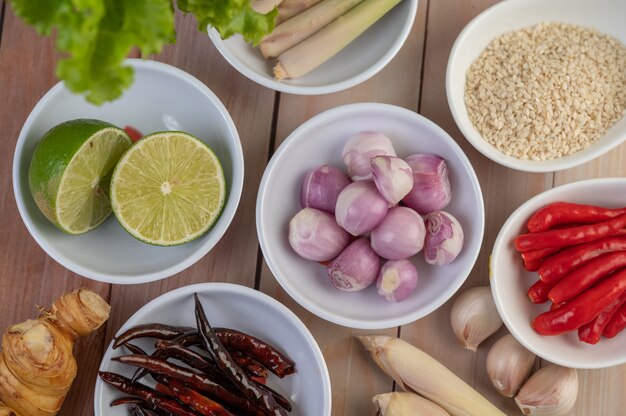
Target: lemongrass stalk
264, 6
319, 48
290, 8
299, 28
406, 404
413, 369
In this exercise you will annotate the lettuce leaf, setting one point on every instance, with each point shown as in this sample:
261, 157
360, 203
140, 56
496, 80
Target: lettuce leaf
97, 35
230, 17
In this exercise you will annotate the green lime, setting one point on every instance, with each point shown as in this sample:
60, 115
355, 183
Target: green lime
168, 189
70, 172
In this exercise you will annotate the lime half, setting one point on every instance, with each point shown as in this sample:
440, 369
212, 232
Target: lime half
168, 189
70, 172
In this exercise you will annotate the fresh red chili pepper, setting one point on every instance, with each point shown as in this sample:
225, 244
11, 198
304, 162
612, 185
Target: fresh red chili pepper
585, 276
133, 133
583, 308
556, 305
570, 236
560, 213
617, 323
538, 292
126, 386
534, 258
591, 332
225, 362
557, 266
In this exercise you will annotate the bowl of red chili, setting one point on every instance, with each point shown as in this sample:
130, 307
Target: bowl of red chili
558, 274
277, 350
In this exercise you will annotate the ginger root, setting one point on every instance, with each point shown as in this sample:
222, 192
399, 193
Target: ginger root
37, 366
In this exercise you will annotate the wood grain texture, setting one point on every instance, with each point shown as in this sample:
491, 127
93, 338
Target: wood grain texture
415, 79
28, 277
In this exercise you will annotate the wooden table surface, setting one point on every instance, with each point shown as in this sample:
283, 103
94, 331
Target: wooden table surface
264, 118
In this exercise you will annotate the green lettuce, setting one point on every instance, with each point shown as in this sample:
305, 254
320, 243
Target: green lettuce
97, 35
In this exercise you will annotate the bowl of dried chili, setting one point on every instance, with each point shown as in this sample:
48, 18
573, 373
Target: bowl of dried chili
214, 348
558, 274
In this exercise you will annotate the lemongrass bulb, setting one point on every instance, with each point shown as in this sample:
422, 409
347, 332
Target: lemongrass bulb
361, 149
360, 207
397, 280
393, 178
444, 238
508, 365
406, 404
315, 235
474, 317
431, 184
399, 235
551, 391
321, 188
355, 268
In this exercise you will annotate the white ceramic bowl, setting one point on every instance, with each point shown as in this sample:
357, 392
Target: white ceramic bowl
161, 98
244, 309
358, 62
319, 141
510, 282
607, 16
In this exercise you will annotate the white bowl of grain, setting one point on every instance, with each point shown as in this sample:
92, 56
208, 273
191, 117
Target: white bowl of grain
540, 85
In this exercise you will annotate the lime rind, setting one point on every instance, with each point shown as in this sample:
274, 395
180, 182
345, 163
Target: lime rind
82, 201
168, 189
50, 162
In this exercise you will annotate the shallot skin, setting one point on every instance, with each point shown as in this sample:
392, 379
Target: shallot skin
431, 183
400, 234
360, 208
355, 268
444, 238
321, 188
315, 235
361, 148
397, 280
393, 178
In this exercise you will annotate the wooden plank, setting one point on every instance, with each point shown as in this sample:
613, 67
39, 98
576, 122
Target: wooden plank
354, 377
601, 392
28, 277
234, 259
503, 191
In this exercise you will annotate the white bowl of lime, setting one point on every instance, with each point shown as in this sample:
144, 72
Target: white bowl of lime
161, 99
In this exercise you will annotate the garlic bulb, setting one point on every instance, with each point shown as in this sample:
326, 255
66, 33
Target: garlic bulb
406, 404
551, 391
508, 365
474, 317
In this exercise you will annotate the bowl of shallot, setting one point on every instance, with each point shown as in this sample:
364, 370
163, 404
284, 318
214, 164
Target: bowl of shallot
370, 216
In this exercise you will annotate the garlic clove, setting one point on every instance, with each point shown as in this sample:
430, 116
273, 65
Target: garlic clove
406, 404
474, 317
551, 391
508, 365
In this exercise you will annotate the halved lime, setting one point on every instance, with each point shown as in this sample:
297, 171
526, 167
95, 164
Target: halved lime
70, 172
168, 189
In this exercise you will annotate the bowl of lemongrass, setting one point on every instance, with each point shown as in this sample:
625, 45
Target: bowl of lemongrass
321, 46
